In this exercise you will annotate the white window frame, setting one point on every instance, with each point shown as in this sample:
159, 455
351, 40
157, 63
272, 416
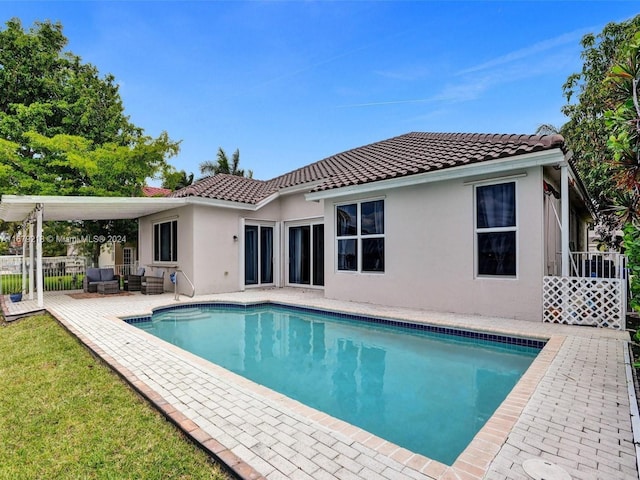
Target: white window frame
358, 237
172, 248
477, 230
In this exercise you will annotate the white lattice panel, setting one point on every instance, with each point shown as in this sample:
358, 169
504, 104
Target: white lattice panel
597, 302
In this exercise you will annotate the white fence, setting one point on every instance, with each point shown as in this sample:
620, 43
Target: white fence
598, 265
60, 273
595, 294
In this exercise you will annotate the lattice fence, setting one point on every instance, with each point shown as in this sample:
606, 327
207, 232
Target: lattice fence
598, 302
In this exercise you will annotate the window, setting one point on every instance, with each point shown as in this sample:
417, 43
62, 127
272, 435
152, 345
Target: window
496, 229
360, 236
165, 241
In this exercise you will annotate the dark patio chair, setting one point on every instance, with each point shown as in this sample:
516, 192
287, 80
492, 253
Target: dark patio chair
153, 285
133, 282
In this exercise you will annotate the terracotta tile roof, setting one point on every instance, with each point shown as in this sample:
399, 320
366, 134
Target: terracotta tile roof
400, 156
155, 192
226, 187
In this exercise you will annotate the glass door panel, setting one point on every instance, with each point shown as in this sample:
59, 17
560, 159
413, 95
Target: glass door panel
306, 254
266, 254
258, 254
251, 254
299, 255
318, 254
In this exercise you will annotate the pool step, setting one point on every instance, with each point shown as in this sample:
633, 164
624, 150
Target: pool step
182, 314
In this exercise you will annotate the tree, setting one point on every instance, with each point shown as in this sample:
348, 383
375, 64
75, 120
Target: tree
623, 123
49, 91
221, 165
586, 133
175, 180
63, 130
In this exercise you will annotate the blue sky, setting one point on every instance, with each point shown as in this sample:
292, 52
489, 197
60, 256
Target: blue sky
292, 82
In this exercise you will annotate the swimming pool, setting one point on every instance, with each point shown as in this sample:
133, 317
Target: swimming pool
428, 390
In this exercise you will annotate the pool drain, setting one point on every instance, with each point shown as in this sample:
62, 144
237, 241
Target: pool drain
539, 469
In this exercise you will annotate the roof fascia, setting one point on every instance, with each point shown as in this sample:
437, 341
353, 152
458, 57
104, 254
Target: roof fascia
65, 200
267, 200
305, 187
301, 187
527, 160
213, 202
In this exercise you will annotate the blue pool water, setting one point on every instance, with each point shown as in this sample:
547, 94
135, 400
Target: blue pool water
428, 392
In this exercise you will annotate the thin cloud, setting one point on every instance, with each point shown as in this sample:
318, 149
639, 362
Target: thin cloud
570, 38
473, 86
320, 63
389, 102
408, 74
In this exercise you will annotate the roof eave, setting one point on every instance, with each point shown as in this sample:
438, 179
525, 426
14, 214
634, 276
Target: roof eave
214, 202
547, 157
17, 208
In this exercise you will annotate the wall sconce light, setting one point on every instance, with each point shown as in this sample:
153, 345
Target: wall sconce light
235, 238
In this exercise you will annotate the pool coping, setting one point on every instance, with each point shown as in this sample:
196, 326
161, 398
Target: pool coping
224, 456
472, 463
486, 335
578, 417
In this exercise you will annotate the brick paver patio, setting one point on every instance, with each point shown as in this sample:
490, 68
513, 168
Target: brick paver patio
572, 407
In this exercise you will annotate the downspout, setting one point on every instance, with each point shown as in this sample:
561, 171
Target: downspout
564, 213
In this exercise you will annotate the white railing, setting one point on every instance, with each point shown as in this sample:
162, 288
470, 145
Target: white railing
595, 293
60, 273
175, 284
598, 265
122, 270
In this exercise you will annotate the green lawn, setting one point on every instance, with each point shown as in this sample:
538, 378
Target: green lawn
63, 414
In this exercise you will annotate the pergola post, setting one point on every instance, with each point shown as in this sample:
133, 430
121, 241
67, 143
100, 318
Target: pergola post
39, 272
25, 240
564, 214
31, 259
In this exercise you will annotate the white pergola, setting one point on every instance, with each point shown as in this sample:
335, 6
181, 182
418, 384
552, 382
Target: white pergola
33, 210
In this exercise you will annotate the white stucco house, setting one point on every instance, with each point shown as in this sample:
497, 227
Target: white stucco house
449, 222
464, 223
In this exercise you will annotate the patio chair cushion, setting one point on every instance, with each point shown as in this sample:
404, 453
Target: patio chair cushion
93, 274
140, 271
96, 276
106, 275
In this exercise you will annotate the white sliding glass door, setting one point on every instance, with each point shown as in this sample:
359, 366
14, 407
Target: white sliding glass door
306, 254
258, 254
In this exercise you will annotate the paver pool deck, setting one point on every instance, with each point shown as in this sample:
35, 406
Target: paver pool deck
571, 408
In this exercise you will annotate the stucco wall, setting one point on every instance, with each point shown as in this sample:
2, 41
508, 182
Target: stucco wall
207, 251
429, 254
286, 209
215, 252
184, 216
